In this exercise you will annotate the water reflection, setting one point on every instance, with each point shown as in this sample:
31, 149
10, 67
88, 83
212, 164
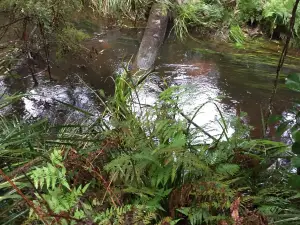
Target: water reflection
197, 89
204, 75
45, 101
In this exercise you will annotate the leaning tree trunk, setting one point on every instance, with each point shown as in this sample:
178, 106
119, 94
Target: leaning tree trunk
153, 38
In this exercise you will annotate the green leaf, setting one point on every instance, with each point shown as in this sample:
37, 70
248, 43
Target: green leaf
282, 128
36, 182
101, 93
85, 187
296, 162
293, 82
65, 183
274, 119
228, 169
48, 181
296, 136
174, 222
294, 181
79, 214
179, 140
296, 148
9, 196
53, 176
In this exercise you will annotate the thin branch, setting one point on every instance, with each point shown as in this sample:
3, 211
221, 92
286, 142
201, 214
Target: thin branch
30, 203
24, 168
46, 49
281, 60
197, 126
16, 21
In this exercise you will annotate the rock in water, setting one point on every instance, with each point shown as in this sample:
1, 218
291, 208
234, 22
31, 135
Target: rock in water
153, 37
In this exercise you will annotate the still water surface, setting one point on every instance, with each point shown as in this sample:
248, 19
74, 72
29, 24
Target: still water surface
234, 79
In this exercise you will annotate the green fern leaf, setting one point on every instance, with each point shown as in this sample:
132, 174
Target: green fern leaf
227, 169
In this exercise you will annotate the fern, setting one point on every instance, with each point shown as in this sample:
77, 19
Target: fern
61, 201
127, 214
195, 216
57, 198
228, 169
51, 175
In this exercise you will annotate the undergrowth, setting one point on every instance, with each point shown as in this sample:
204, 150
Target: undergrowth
210, 16
150, 166
147, 168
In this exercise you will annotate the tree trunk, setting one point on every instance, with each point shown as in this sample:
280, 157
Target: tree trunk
153, 38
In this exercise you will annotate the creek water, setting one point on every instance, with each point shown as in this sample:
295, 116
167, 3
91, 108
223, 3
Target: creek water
230, 79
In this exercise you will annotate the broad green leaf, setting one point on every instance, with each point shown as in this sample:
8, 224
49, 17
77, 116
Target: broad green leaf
294, 181
87, 206
296, 136
282, 128
296, 148
64, 222
293, 82
296, 162
174, 222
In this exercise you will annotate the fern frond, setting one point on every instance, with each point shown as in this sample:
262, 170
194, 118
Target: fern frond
228, 169
49, 175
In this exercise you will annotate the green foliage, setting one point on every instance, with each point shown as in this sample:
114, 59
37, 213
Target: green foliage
61, 201
281, 205
199, 216
19, 152
47, 12
59, 197
68, 40
39, 24
147, 167
278, 12
250, 10
157, 167
150, 166
212, 15
127, 214
51, 174
200, 14
293, 82
132, 9
236, 35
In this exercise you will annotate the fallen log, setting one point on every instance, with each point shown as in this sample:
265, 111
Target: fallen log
153, 38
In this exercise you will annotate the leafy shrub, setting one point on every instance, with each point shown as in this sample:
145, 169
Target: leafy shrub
201, 14
250, 10
277, 13
150, 168
68, 40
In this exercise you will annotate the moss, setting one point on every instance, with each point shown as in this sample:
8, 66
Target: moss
258, 51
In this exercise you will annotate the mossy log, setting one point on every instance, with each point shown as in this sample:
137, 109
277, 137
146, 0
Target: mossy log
153, 38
